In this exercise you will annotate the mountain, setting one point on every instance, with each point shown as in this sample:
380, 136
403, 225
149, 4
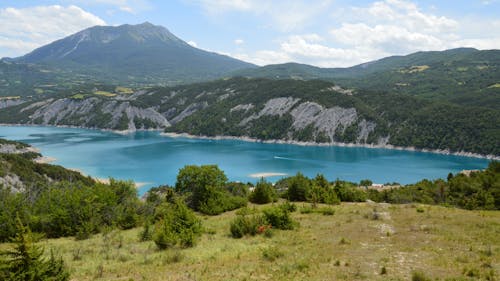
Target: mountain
143, 53
266, 109
464, 76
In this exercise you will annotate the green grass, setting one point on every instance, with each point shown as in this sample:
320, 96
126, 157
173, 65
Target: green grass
124, 90
440, 242
10, 98
78, 96
104, 93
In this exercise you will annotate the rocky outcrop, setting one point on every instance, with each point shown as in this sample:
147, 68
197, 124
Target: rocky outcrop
325, 120
242, 107
365, 128
10, 102
192, 108
13, 182
277, 106
68, 111
145, 113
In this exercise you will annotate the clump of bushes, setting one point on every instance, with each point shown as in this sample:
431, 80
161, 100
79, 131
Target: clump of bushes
419, 276
272, 253
277, 217
176, 225
327, 211
205, 190
25, 261
263, 193
246, 225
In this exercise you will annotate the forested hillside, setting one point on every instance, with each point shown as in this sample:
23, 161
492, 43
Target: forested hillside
292, 110
463, 76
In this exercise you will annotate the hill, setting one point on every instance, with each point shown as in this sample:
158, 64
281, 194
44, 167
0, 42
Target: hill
104, 232
290, 110
143, 53
437, 243
463, 76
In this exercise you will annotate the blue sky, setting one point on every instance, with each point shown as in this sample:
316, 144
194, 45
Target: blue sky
327, 33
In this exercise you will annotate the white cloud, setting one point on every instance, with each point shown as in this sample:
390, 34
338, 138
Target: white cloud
264, 57
239, 41
127, 9
383, 28
307, 49
283, 15
22, 30
128, 6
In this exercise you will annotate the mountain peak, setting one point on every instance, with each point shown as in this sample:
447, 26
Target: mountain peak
139, 50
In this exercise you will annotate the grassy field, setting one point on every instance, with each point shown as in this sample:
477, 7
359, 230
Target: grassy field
104, 93
359, 242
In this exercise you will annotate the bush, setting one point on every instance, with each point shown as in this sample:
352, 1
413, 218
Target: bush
147, 232
298, 187
221, 201
290, 207
26, 262
279, 217
272, 253
177, 225
246, 225
419, 276
263, 193
205, 189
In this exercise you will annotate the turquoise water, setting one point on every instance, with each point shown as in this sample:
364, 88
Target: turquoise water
152, 159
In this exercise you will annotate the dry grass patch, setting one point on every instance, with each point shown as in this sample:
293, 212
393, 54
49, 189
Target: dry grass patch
441, 242
104, 93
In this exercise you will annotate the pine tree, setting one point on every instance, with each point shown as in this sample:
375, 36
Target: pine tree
25, 261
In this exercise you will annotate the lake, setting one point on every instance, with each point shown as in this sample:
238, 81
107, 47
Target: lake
151, 159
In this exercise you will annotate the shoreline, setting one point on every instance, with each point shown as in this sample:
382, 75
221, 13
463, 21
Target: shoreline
338, 144
290, 142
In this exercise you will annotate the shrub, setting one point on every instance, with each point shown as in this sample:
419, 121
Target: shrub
419, 276
298, 187
279, 217
25, 261
383, 271
204, 187
147, 232
290, 207
263, 193
177, 226
327, 211
272, 253
246, 225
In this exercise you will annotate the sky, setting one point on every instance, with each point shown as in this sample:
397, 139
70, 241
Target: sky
324, 33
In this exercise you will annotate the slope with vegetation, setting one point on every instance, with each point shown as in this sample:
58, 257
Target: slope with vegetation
315, 238
308, 111
143, 54
463, 76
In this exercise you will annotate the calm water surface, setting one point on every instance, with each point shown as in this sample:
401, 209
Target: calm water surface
152, 159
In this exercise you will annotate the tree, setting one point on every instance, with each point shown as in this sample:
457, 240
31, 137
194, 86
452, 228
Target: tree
263, 193
200, 182
298, 187
26, 263
176, 225
365, 183
204, 188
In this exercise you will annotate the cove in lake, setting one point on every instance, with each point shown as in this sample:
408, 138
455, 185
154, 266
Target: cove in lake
152, 159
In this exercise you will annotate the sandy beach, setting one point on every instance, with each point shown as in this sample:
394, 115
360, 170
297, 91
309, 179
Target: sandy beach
268, 174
